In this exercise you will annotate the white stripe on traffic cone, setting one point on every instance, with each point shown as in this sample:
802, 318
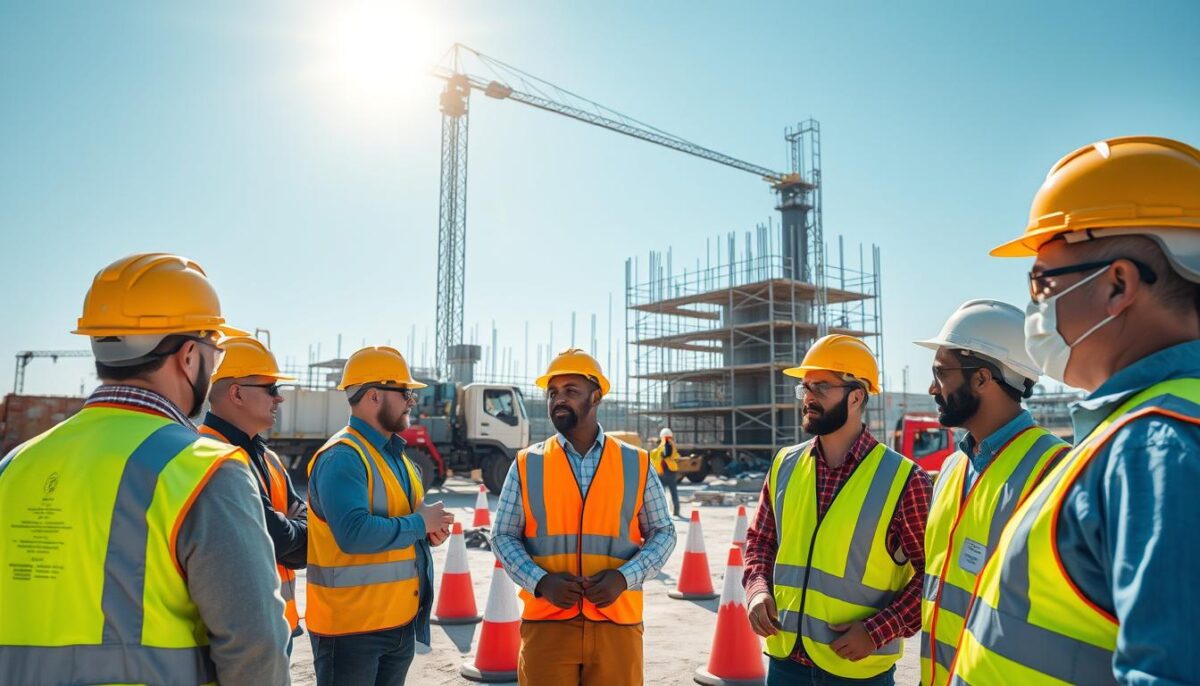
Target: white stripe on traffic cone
500, 636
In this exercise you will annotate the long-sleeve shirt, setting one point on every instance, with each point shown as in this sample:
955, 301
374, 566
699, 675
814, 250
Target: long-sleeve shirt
1127, 529
337, 492
980, 454
654, 522
223, 548
905, 533
289, 535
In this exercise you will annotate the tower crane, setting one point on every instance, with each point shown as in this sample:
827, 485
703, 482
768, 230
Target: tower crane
26, 356
798, 193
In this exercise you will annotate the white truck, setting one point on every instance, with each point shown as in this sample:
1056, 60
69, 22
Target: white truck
454, 429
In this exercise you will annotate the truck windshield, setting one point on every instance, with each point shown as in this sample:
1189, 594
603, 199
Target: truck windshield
501, 404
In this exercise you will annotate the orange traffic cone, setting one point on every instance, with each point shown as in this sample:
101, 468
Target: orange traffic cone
695, 583
739, 529
482, 516
736, 658
500, 637
456, 596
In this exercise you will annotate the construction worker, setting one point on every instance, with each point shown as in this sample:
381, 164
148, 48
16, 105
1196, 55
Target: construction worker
243, 402
134, 549
370, 576
835, 557
980, 374
665, 459
1090, 581
579, 527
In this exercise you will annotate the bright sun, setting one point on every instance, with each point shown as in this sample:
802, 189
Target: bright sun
374, 54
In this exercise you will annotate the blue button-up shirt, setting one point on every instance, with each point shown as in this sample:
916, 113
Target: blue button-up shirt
654, 522
337, 492
980, 455
1127, 531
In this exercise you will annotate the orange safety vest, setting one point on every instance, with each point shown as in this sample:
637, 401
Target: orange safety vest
566, 531
351, 593
276, 490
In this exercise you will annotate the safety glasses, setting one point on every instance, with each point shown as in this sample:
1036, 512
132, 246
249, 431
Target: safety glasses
1042, 283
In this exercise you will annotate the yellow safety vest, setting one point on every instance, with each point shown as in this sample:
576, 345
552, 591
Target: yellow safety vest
353, 593
835, 569
656, 459
1029, 623
90, 587
960, 532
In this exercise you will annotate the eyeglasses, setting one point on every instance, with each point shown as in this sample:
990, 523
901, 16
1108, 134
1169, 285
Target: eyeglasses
819, 389
271, 388
409, 394
939, 373
1040, 283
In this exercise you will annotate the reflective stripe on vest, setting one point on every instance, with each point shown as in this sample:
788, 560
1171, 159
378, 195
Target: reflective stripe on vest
276, 490
823, 577
963, 529
583, 535
105, 602
1029, 623
358, 593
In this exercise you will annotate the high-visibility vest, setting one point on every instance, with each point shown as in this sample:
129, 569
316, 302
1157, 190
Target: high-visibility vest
656, 458
960, 532
1029, 623
276, 489
835, 569
91, 590
567, 532
354, 593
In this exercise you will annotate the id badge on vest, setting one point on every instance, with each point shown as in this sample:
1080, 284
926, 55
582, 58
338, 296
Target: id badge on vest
972, 556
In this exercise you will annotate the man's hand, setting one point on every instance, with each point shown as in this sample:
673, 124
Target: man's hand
855, 643
561, 589
438, 537
763, 617
436, 517
604, 588
298, 508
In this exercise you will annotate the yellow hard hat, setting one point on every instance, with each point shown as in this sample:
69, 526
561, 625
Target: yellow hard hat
574, 361
246, 356
1141, 183
151, 294
843, 355
377, 364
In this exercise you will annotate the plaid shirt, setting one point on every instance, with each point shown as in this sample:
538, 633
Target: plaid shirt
133, 397
654, 521
906, 532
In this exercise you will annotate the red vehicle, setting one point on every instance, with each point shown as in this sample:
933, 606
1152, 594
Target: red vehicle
923, 439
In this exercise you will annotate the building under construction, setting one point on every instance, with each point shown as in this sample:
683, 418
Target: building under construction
707, 345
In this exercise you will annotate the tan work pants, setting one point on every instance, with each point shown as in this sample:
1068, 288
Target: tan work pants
580, 653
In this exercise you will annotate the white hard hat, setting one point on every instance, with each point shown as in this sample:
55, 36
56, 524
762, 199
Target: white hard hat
994, 330
666, 433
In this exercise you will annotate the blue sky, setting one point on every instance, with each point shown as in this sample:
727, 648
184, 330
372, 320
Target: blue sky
237, 134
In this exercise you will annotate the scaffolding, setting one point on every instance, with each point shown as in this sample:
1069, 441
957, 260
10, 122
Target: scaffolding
707, 346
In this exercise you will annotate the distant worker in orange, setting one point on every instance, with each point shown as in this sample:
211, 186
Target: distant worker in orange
370, 576
580, 525
835, 557
665, 459
243, 402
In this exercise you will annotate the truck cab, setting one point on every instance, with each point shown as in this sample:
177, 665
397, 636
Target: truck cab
922, 438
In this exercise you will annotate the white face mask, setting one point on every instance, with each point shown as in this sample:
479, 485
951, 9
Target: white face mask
1045, 344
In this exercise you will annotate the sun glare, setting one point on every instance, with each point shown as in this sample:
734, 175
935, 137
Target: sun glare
374, 55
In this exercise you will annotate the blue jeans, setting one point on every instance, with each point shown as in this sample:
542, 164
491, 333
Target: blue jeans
792, 673
381, 658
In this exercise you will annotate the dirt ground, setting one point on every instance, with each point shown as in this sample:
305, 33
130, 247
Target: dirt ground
678, 633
